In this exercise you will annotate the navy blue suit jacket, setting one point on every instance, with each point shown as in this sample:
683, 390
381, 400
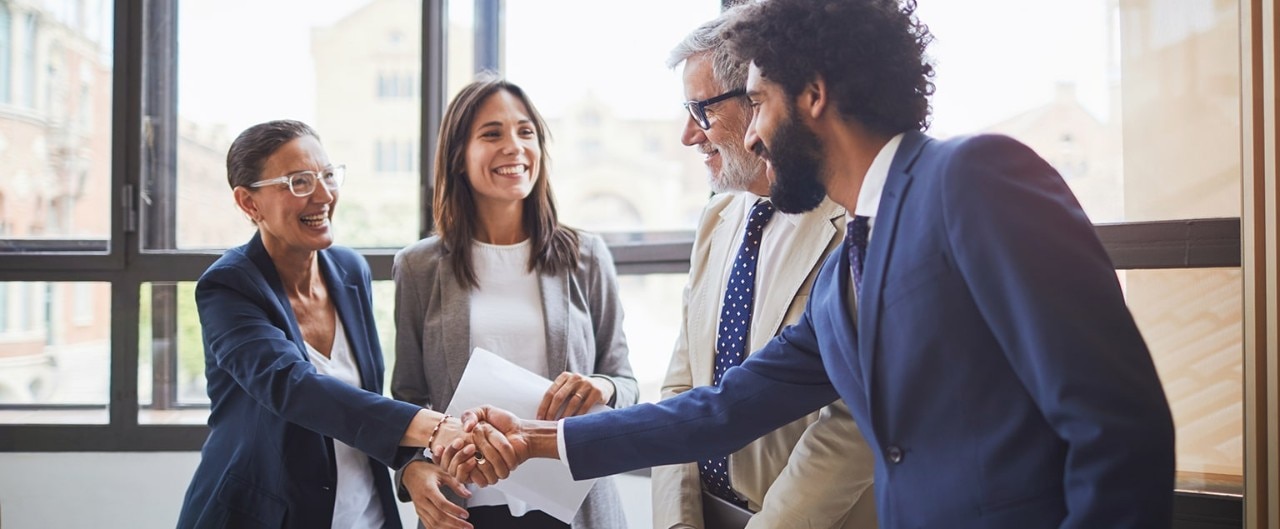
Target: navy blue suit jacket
994, 366
268, 461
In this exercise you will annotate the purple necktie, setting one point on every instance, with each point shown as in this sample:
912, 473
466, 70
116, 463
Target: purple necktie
735, 322
855, 240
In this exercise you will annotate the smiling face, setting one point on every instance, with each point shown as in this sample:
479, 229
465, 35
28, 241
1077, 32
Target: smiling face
503, 155
790, 149
730, 166
291, 224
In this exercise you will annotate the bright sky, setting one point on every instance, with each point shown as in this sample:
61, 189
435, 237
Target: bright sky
245, 61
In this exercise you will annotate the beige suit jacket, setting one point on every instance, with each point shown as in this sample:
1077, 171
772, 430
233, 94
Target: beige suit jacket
815, 472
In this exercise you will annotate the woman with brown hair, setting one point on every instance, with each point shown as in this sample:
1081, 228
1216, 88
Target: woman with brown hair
503, 274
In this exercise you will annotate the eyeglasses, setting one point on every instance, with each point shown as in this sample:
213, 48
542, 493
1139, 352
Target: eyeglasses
698, 109
303, 183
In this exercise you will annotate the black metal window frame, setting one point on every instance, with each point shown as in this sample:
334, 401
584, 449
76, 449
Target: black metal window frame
144, 93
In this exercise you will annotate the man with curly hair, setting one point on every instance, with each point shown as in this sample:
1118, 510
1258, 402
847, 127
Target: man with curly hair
972, 321
814, 472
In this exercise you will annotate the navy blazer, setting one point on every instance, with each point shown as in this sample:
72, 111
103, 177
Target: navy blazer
268, 461
994, 369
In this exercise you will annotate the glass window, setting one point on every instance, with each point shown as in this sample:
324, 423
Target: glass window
605, 91
340, 66
652, 304
1192, 323
30, 29
55, 139
6, 50
51, 360
1136, 103
171, 357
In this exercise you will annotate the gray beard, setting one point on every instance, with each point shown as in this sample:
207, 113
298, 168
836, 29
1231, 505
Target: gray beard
737, 173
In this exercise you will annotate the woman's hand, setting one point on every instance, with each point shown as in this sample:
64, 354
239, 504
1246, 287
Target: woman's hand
572, 394
482, 456
458, 460
424, 480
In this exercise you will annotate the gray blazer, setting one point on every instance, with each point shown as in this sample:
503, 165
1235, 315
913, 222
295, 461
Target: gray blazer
584, 335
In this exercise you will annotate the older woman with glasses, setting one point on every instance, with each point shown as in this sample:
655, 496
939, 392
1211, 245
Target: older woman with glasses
300, 434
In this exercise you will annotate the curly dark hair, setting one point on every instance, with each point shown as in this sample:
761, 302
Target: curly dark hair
870, 54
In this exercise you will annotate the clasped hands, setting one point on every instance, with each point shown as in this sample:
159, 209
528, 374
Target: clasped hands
492, 442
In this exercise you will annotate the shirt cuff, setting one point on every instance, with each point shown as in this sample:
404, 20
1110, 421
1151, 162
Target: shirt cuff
564, 455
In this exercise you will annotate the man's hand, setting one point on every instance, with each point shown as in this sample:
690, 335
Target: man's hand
423, 480
526, 439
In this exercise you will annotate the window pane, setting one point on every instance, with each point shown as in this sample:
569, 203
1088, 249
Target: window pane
614, 110
171, 383
349, 68
55, 343
651, 303
1191, 320
461, 46
55, 123
171, 361
1136, 103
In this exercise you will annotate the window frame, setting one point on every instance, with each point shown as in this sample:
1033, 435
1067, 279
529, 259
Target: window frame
121, 261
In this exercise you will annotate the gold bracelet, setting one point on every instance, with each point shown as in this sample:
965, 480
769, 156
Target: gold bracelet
434, 431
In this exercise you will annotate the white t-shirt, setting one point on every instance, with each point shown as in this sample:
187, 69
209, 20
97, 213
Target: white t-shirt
507, 319
356, 503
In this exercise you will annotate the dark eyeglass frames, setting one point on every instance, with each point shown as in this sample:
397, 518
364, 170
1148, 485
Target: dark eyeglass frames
698, 109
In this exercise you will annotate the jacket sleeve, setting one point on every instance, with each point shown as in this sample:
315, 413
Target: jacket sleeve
782, 382
1060, 317
242, 325
612, 359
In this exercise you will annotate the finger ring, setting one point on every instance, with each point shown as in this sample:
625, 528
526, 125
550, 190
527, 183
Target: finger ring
579, 395
480, 459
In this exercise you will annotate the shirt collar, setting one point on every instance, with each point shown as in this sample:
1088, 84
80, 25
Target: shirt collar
873, 182
752, 199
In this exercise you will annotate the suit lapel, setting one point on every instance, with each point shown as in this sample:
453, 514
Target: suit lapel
724, 242
881, 244
346, 302
804, 250
262, 260
555, 308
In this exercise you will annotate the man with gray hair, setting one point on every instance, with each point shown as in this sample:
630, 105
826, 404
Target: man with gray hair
750, 275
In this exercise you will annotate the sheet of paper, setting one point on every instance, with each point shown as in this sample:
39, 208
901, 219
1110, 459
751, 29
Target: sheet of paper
545, 484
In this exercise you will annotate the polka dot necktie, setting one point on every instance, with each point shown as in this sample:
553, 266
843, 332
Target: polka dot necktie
735, 321
855, 239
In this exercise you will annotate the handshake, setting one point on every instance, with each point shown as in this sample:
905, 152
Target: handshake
486, 444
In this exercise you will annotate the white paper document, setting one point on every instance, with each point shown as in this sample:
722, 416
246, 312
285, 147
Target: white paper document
545, 484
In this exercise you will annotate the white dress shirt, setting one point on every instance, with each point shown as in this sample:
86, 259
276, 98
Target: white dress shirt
356, 503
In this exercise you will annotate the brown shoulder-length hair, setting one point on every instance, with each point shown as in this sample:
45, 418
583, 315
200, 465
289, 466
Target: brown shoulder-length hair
554, 246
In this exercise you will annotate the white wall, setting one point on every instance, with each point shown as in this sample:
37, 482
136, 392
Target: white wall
144, 490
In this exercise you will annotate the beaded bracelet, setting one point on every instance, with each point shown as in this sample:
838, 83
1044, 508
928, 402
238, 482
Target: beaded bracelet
431, 439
